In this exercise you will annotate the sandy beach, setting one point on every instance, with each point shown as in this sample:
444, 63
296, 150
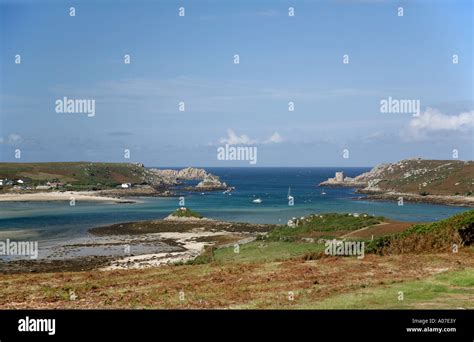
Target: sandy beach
89, 196
192, 248
190, 233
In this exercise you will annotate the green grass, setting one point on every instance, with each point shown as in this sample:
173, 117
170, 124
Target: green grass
285, 243
323, 223
263, 251
450, 290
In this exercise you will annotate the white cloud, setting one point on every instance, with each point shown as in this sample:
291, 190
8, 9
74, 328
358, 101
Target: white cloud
12, 139
432, 121
234, 139
274, 139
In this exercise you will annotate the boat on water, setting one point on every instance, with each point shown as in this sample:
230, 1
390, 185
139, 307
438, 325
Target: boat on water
257, 200
229, 190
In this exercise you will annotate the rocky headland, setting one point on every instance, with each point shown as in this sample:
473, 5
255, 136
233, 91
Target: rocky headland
418, 180
58, 181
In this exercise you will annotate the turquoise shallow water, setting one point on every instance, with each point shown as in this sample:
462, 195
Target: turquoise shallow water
50, 221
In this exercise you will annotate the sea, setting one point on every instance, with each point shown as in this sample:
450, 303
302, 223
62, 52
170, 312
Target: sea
58, 221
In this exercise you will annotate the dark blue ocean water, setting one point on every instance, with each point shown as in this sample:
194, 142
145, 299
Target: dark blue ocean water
58, 221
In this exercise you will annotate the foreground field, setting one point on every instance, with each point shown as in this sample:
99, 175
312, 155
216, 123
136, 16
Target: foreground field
428, 280
447, 290
413, 267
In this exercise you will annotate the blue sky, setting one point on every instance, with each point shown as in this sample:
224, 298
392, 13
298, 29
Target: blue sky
282, 59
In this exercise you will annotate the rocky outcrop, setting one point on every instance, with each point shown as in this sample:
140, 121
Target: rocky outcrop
341, 180
209, 182
174, 176
191, 173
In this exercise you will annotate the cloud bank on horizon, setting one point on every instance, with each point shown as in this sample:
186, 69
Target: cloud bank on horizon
303, 88
432, 121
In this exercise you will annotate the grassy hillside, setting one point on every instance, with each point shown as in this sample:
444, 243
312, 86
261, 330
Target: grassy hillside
78, 174
323, 226
437, 236
285, 243
425, 177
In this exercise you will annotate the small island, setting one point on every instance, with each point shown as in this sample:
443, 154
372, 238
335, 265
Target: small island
184, 214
